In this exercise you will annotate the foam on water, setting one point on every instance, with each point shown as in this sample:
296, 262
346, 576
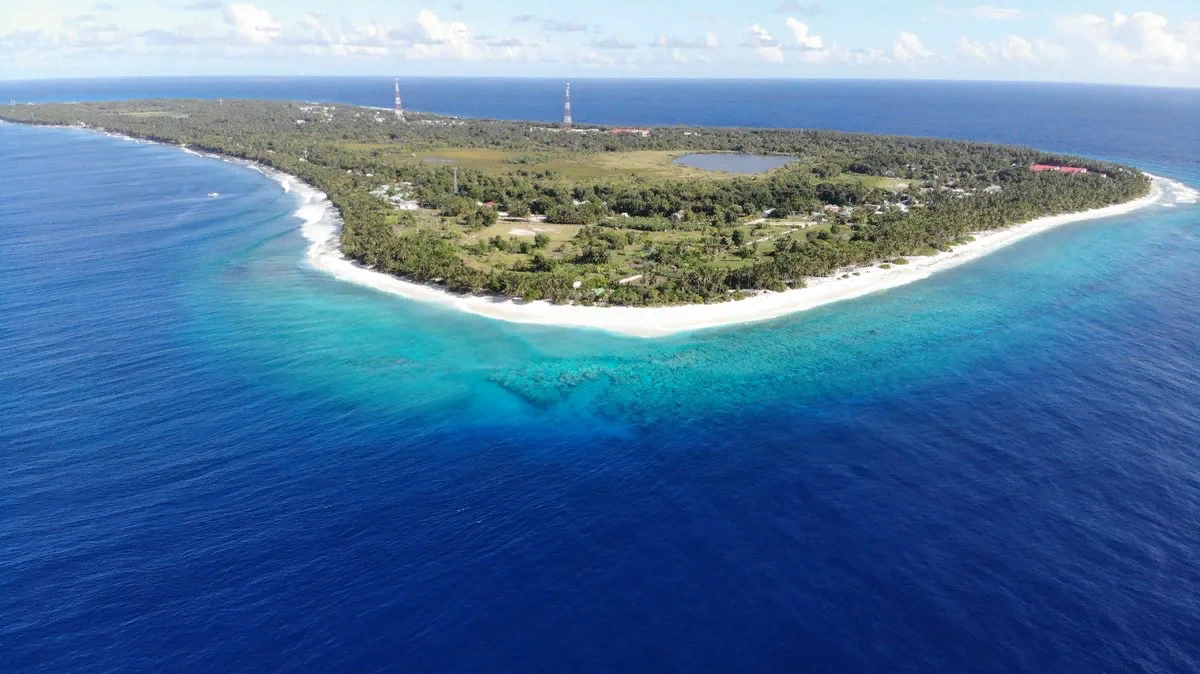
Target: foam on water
1184, 194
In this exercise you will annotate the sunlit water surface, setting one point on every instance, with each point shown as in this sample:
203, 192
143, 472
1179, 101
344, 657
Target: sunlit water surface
216, 458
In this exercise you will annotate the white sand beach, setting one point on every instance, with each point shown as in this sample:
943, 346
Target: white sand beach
321, 228
321, 225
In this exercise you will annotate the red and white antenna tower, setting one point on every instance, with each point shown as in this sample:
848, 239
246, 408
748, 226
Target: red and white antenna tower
567, 108
399, 109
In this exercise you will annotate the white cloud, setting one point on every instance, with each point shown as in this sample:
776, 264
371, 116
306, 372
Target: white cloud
812, 48
1011, 49
909, 48
1142, 38
552, 26
801, 35
1015, 48
252, 25
709, 41
429, 38
437, 39
345, 40
760, 40
868, 57
985, 12
972, 50
612, 43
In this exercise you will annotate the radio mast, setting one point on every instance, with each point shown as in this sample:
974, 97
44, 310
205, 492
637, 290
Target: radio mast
567, 108
399, 109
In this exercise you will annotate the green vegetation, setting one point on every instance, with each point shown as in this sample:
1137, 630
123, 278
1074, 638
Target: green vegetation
540, 210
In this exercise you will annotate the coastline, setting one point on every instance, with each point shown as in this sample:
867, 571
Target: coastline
321, 225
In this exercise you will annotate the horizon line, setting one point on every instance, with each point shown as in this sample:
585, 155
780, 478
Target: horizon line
778, 78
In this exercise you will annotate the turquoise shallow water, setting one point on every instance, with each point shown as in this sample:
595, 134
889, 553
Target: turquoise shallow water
953, 323
217, 458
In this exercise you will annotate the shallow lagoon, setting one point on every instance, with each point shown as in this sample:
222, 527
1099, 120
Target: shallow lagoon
734, 163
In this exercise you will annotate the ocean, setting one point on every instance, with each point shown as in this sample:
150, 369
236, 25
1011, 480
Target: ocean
217, 458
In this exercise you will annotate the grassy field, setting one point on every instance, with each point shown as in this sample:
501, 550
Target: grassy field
636, 164
585, 166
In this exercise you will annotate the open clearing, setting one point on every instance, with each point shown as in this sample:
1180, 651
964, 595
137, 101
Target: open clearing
576, 165
593, 165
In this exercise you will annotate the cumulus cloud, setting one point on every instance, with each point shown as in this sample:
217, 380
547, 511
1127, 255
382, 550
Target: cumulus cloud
431, 38
611, 43
802, 36
1142, 38
252, 25
867, 57
709, 41
908, 48
1013, 49
975, 51
105, 7
759, 39
812, 48
340, 39
83, 34
522, 18
985, 12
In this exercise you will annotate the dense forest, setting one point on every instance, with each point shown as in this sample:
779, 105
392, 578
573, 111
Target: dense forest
540, 212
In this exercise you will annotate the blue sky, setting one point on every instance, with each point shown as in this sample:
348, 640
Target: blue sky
1150, 42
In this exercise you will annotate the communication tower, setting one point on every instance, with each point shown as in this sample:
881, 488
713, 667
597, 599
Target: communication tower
399, 109
567, 108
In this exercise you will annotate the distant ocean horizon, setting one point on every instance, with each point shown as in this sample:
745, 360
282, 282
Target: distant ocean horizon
216, 458
1060, 115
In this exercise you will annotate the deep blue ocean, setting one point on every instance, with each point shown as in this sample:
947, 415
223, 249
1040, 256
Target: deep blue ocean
215, 458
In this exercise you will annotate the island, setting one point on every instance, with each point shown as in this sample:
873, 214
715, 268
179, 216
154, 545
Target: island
603, 216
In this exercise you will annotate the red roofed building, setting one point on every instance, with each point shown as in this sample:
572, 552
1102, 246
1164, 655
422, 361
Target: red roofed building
1038, 168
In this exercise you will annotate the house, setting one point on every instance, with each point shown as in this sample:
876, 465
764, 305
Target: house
631, 132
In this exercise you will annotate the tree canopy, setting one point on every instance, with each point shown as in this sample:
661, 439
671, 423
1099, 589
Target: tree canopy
850, 199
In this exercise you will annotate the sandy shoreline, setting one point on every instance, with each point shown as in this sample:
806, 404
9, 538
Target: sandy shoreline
321, 228
321, 225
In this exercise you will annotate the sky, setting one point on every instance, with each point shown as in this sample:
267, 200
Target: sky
1154, 42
